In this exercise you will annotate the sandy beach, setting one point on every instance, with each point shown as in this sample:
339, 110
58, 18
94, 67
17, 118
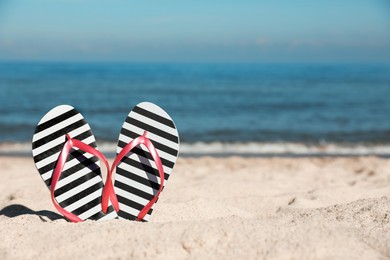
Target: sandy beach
216, 208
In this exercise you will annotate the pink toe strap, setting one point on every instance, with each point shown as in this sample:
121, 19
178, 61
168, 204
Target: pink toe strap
135, 142
69, 144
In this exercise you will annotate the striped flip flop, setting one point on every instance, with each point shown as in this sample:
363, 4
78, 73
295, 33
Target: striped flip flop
77, 186
147, 148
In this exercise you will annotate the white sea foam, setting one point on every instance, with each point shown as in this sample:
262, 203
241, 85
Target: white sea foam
250, 148
284, 149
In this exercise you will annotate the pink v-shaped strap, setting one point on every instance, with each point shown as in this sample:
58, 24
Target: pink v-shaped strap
69, 144
136, 142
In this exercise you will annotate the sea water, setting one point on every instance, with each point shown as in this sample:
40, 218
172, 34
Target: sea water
307, 104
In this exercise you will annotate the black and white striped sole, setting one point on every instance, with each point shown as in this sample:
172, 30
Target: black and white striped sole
80, 186
137, 178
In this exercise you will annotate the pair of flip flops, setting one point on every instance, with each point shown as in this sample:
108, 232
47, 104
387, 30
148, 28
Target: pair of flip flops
68, 160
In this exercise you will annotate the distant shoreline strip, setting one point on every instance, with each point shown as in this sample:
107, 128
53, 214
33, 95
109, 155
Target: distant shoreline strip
251, 149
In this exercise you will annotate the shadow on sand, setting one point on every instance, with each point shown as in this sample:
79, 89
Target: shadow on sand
16, 210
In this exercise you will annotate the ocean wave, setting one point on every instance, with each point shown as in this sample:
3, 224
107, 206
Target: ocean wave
256, 148
240, 149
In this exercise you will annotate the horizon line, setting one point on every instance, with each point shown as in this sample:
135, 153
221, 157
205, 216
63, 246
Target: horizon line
194, 62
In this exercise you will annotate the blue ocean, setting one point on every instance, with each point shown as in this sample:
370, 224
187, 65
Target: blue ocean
226, 103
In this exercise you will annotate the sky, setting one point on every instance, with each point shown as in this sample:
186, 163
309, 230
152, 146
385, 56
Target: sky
195, 31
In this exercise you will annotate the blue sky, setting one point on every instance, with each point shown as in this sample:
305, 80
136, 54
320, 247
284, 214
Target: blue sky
178, 30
